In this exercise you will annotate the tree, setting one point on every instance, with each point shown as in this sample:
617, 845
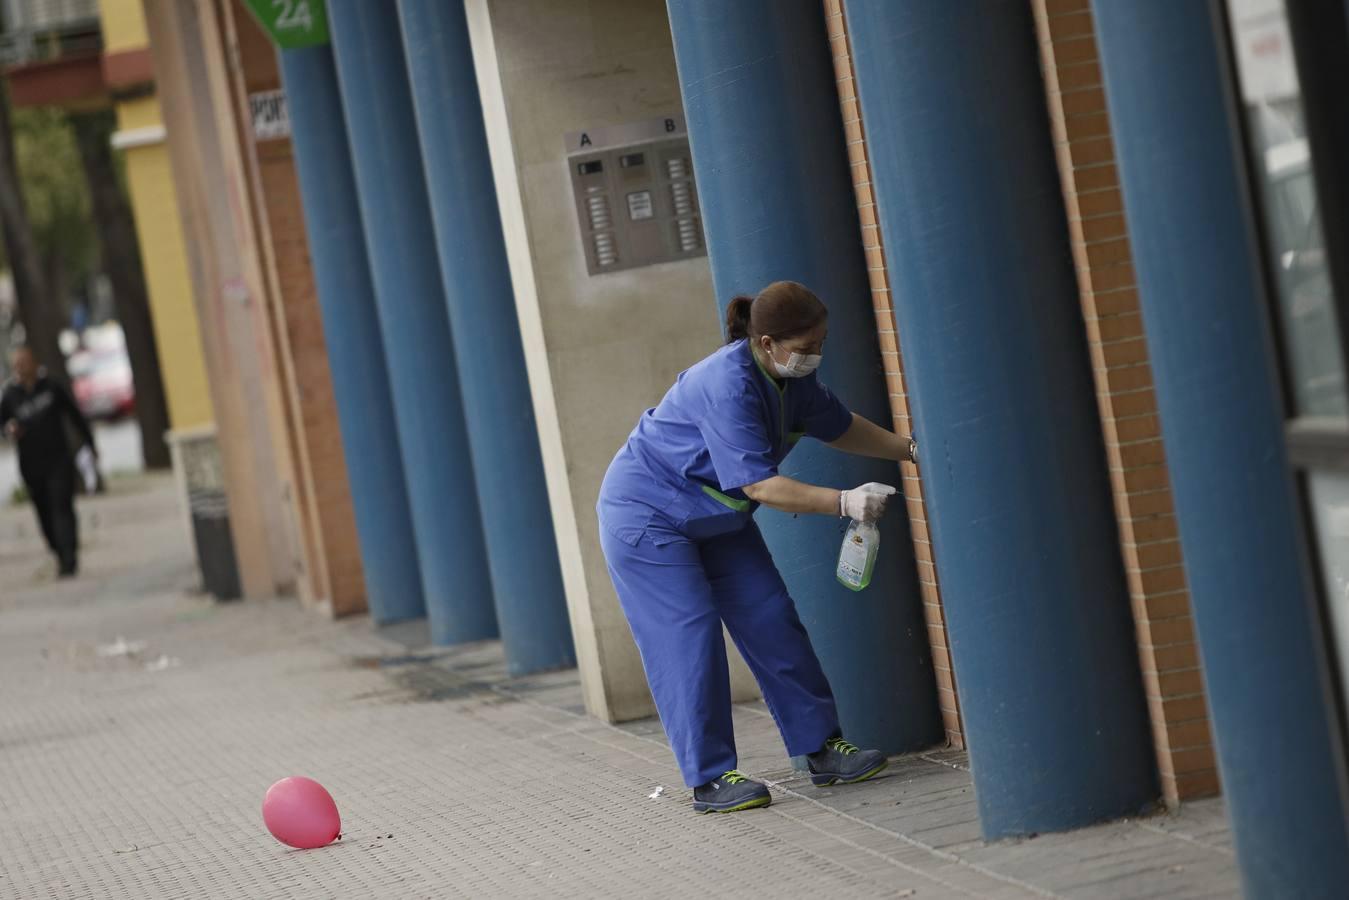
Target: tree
57, 198
121, 262
40, 319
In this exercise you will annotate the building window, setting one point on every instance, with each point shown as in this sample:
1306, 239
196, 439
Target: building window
1307, 292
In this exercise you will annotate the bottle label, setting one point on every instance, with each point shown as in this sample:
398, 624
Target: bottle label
852, 560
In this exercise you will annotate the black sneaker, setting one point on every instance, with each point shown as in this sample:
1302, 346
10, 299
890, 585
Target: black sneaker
731, 792
840, 762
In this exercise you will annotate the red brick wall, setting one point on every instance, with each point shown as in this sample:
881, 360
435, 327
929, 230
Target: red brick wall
894, 371
1149, 540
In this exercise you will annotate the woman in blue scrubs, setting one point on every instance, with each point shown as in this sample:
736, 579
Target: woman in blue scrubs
685, 554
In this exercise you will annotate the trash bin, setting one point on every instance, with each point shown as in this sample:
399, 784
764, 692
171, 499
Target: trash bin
196, 462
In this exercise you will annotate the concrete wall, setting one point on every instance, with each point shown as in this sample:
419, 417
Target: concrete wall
600, 350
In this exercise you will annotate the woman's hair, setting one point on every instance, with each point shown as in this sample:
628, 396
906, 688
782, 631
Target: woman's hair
782, 310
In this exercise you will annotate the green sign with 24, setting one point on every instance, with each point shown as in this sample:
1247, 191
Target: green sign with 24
293, 23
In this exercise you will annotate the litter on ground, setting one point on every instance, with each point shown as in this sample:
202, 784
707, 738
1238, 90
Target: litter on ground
121, 647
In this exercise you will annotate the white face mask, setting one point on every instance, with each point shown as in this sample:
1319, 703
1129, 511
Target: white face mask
797, 365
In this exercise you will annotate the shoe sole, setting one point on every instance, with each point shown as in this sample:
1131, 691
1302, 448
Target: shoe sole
702, 808
826, 779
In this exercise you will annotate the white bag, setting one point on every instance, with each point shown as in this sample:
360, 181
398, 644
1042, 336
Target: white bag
84, 461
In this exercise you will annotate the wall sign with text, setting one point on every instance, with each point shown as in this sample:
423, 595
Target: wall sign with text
271, 119
293, 24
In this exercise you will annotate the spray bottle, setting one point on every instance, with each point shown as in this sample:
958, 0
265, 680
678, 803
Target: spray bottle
862, 541
857, 556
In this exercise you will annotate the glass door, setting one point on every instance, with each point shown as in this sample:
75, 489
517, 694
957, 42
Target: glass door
1288, 57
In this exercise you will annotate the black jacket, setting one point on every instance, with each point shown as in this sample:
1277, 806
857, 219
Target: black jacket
42, 414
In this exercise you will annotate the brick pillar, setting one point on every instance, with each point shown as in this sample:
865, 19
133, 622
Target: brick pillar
947, 697
1149, 539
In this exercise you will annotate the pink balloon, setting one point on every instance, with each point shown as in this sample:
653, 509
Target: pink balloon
299, 812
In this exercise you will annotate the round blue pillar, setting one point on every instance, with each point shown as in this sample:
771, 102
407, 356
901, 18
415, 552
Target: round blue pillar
1217, 390
365, 419
777, 200
530, 604
412, 316
995, 352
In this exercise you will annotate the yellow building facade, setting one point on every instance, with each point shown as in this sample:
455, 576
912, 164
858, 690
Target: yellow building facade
128, 72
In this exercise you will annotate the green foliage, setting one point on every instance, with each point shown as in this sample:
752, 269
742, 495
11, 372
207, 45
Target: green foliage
55, 190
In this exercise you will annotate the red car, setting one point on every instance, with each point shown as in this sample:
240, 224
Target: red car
101, 382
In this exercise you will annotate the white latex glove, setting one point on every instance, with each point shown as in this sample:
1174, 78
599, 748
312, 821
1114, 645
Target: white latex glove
866, 503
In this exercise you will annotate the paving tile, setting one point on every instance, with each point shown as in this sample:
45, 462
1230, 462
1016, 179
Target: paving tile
453, 780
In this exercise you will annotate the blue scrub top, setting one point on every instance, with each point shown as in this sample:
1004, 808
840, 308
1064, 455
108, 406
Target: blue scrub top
726, 424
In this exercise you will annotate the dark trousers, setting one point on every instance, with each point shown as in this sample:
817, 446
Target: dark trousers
52, 489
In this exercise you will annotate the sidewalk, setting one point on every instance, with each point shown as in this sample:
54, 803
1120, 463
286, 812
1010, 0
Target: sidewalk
117, 780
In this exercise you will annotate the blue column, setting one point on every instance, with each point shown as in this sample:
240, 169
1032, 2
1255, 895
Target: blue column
379, 497
530, 603
777, 199
411, 303
1217, 389
1014, 472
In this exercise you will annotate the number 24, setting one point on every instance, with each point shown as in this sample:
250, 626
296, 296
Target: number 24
294, 14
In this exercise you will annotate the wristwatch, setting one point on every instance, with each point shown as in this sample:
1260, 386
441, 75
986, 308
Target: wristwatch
913, 451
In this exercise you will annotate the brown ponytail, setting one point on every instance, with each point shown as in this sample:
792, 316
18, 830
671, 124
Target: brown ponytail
782, 310
737, 318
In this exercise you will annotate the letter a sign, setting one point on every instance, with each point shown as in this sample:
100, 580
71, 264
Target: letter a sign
292, 24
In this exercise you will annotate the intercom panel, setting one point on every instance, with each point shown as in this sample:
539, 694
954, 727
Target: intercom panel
636, 203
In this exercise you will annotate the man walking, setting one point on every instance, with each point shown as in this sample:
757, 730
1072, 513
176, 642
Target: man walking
35, 412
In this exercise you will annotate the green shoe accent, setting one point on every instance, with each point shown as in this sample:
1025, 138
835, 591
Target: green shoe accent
865, 776
842, 762
868, 775
748, 804
730, 792
842, 746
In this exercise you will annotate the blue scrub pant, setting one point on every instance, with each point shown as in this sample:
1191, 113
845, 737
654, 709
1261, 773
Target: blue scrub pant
676, 593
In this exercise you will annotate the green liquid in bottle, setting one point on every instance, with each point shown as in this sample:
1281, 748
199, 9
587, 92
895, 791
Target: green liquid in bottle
857, 556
